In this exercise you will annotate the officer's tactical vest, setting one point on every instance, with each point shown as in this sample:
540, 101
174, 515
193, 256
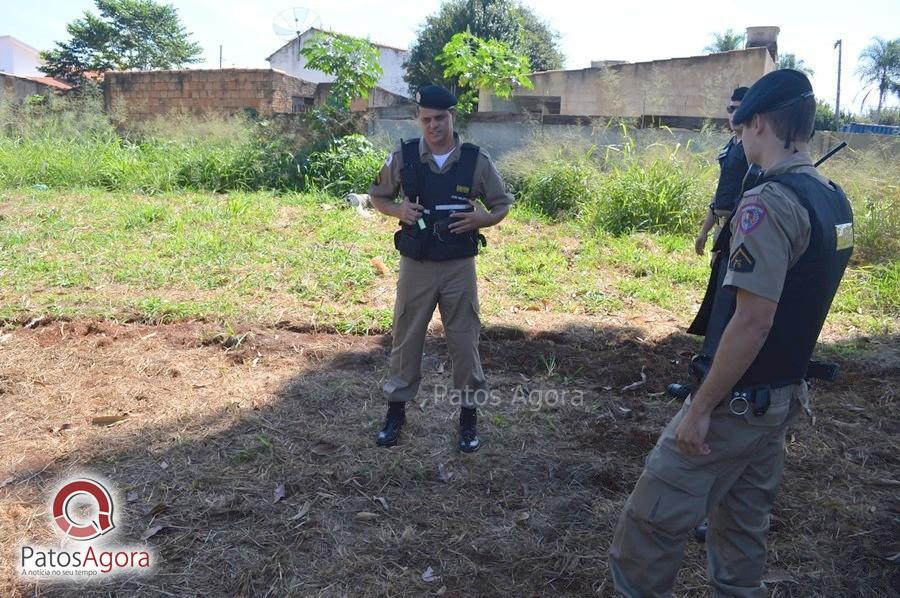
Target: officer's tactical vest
440, 195
809, 287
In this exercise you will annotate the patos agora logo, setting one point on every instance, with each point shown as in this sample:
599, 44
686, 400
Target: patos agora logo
81, 513
77, 489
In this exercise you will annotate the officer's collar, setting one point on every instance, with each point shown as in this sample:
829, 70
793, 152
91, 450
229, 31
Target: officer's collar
795, 160
425, 151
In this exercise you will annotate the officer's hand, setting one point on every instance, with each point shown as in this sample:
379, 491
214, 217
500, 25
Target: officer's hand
700, 244
691, 433
467, 221
408, 212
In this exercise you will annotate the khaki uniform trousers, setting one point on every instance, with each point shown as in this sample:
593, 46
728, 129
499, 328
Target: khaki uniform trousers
735, 486
449, 285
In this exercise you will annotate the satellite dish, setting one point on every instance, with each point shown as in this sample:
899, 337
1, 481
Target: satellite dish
294, 21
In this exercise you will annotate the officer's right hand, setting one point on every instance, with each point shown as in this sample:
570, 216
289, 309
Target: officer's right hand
700, 244
408, 212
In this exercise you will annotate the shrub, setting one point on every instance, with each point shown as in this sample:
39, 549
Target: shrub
340, 166
658, 195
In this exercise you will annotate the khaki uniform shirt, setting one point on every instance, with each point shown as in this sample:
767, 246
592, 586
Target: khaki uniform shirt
488, 185
770, 232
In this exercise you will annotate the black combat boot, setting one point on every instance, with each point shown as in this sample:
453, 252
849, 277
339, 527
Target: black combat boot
700, 531
396, 417
468, 434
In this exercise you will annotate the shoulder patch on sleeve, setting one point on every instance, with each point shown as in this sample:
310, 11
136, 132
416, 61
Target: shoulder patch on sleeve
751, 216
741, 260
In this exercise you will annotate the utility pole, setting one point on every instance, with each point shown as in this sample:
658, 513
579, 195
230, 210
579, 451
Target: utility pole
837, 100
220, 65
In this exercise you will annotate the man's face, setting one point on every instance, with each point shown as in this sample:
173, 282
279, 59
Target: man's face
751, 138
731, 109
437, 126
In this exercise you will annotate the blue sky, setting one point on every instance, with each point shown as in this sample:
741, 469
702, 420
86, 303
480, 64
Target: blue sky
633, 31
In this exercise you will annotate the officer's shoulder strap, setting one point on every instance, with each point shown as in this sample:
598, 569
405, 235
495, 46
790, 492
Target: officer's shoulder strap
468, 159
410, 150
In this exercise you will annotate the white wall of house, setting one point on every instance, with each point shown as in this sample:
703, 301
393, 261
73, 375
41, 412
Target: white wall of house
288, 59
18, 58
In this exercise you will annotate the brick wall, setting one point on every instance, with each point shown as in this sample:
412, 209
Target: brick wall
14, 88
144, 95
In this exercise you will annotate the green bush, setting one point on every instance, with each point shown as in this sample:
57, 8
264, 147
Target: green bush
657, 196
345, 165
558, 189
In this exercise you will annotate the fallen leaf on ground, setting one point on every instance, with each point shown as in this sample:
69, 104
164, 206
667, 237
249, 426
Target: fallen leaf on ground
637, 384
523, 516
324, 448
279, 493
152, 531
379, 266
132, 496
365, 516
428, 575
303, 512
108, 420
408, 534
156, 509
777, 575
164, 466
380, 500
443, 474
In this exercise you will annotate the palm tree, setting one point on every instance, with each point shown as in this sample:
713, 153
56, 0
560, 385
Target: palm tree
790, 61
879, 68
725, 42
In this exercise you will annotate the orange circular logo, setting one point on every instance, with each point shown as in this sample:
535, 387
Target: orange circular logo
94, 492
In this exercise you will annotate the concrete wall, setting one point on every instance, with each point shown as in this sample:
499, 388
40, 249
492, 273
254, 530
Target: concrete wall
500, 136
699, 86
18, 58
16, 89
147, 94
288, 59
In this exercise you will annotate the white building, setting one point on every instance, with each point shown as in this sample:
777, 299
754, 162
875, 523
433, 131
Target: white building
288, 59
18, 58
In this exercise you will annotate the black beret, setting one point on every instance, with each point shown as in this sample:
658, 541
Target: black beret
435, 96
772, 91
738, 94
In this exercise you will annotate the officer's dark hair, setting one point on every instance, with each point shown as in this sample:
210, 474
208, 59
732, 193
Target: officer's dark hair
794, 122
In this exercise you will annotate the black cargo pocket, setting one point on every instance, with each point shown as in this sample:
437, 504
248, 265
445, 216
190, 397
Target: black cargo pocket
670, 495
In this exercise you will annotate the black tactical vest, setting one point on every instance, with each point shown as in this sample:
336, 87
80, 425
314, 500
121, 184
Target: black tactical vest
440, 195
809, 287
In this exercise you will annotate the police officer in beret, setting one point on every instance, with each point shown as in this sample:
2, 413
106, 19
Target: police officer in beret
440, 179
780, 260
732, 168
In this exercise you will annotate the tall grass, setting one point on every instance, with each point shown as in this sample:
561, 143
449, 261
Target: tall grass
617, 188
71, 142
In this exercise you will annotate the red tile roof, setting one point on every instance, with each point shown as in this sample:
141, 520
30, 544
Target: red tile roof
51, 82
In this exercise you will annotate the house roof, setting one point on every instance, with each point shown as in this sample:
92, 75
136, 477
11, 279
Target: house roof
316, 29
51, 82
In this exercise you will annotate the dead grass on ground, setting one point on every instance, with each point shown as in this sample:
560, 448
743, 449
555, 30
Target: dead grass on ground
219, 423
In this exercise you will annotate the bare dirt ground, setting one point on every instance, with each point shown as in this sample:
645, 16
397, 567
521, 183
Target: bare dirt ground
217, 430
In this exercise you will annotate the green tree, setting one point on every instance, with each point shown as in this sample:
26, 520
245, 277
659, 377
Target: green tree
825, 116
477, 63
725, 42
504, 20
879, 68
353, 62
127, 34
790, 61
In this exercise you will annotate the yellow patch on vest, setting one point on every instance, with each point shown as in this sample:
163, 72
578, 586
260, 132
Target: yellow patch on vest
462, 189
